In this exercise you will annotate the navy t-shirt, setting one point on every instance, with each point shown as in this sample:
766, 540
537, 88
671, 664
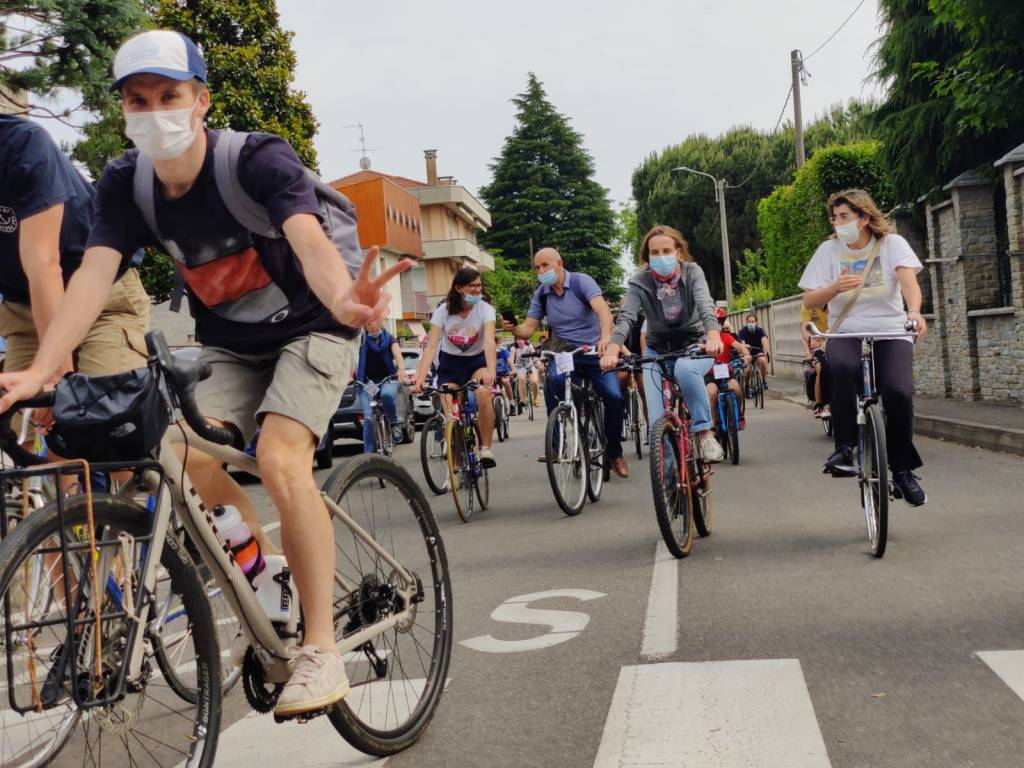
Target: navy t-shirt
35, 176
752, 338
247, 293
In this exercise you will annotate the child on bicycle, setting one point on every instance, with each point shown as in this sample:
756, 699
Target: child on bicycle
731, 348
672, 293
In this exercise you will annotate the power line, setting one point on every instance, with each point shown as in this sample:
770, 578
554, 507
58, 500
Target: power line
838, 30
775, 130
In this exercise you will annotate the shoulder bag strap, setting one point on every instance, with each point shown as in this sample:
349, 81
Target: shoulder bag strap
856, 294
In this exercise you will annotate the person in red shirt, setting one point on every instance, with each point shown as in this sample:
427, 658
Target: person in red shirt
730, 346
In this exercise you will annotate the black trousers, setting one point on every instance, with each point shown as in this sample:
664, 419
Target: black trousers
810, 379
894, 380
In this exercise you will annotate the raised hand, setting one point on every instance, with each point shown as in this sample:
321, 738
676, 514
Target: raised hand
366, 300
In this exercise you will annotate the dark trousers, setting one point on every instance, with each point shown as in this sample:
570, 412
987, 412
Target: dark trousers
810, 378
894, 380
606, 384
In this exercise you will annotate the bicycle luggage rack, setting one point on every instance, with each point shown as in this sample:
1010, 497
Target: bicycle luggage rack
81, 623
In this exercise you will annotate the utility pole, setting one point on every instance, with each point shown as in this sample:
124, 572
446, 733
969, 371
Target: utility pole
720, 187
726, 262
796, 64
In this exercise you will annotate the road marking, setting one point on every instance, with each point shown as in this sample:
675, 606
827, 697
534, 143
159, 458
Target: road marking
661, 626
564, 625
717, 714
271, 527
1009, 665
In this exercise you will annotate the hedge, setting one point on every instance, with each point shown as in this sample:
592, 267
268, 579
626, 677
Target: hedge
792, 219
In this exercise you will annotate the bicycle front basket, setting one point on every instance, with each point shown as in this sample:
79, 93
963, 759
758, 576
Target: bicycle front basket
109, 418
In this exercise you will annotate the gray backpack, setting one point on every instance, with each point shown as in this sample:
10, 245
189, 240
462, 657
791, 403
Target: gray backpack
337, 213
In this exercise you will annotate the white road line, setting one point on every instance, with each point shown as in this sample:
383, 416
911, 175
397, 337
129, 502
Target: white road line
661, 627
1009, 665
718, 714
271, 527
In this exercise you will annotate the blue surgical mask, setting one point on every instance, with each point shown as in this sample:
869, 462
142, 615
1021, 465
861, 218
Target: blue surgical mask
751, 326
471, 298
373, 335
548, 278
664, 265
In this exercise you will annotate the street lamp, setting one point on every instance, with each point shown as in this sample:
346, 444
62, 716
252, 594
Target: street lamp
720, 186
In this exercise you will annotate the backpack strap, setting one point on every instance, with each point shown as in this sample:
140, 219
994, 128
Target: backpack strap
240, 205
144, 192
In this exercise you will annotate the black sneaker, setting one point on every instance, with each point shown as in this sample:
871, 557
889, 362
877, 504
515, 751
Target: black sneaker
906, 487
840, 463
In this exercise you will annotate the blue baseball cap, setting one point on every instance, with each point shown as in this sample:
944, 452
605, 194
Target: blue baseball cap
159, 52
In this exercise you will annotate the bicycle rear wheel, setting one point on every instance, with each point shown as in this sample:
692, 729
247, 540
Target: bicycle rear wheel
459, 481
874, 479
759, 390
396, 682
147, 723
563, 447
732, 429
432, 454
596, 458
672, 502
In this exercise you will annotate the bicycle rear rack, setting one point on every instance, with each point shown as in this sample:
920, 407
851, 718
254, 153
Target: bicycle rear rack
92, 682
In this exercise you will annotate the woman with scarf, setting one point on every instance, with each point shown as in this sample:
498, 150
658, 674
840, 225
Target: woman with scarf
672, 294
380, 356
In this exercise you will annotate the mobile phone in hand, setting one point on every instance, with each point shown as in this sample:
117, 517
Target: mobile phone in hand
509, 316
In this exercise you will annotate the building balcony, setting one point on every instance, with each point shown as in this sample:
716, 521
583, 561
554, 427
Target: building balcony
418, 308
459, 200
459, 250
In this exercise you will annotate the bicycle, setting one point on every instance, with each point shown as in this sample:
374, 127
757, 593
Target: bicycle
501, 412
756, 385
383, 439
433, 450
392, 599
635, 423
727, 427
574, 440
466, 475
680, 479
871, 461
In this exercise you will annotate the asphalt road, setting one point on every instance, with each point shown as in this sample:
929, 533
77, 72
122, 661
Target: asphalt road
779, 642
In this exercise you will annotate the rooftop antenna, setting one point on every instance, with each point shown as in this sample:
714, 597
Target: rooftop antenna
364, 161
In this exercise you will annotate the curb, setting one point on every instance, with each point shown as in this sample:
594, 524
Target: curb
969, 433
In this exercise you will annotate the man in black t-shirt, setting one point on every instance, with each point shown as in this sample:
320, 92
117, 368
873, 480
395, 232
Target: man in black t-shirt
46, 210
756, 339
279, 316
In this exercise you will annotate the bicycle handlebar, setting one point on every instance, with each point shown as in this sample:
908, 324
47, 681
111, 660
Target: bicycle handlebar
9, 440
447, 389
815, 332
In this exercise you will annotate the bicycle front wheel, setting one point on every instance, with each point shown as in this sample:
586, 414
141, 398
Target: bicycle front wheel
501, 418
382, 435
732, 429
671, 497
874, 479
596, 457
637, 420
398, 678
460, 482
564, 453
433, 456
145, 724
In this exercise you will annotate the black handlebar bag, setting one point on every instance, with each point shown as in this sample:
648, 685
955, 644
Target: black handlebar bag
109, 418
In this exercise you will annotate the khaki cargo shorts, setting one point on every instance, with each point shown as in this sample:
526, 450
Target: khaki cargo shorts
303, 380
115, 343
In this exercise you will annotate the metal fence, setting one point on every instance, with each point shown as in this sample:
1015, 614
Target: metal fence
781, 321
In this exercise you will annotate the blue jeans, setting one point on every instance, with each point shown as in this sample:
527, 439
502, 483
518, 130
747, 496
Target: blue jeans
387, 398
689, 375
606, 384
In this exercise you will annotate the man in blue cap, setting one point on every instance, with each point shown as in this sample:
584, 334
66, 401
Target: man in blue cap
279, 316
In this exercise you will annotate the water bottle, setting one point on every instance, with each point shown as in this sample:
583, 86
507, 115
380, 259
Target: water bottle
275, 590
239, 538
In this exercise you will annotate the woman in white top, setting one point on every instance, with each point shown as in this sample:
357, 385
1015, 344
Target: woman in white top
863, 239
463, 327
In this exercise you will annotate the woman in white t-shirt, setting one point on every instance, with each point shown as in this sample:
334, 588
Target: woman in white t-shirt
463, 327
863, 237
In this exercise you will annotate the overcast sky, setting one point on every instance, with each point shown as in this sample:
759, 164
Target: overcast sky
633, 77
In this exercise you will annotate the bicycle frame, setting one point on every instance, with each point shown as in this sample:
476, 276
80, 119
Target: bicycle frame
466, 416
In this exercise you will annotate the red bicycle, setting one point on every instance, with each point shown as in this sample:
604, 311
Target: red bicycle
680, 480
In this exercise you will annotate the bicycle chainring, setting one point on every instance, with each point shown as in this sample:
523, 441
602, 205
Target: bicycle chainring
261, 695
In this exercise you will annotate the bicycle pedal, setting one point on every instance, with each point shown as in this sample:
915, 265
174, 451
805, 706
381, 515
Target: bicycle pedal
301, 717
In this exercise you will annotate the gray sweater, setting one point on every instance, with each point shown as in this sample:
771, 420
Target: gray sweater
696, 318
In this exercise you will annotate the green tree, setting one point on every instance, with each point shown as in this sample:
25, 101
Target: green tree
509, 288
754, 162
954, 76
543, 189
49, 46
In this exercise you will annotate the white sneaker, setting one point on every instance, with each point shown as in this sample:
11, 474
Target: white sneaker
487, 457
318, 680
711, 450
826, 413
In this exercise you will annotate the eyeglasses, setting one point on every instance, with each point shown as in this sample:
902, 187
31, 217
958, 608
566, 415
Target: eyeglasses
842, 218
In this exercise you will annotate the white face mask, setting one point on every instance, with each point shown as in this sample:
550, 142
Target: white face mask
161, 135
848, 232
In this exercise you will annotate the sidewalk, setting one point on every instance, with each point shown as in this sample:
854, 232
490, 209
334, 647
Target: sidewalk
983, 425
